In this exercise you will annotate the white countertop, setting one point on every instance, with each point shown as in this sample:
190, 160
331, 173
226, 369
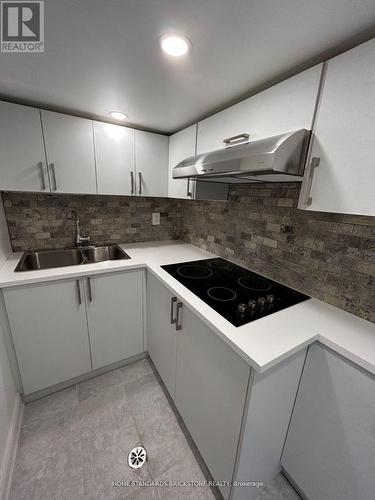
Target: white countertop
263, 343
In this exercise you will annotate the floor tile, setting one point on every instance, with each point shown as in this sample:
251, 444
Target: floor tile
156, 423
279, 489
97, 385
75, 443
135, 371
186, 469
49, 461
56, 407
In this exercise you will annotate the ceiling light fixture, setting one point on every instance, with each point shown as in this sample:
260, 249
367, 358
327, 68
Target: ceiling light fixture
175, 45
118, 115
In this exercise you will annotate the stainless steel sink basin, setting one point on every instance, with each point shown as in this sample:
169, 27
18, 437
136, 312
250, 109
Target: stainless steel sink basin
47, 259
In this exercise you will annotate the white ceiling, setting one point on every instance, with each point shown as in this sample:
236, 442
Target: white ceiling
103, 55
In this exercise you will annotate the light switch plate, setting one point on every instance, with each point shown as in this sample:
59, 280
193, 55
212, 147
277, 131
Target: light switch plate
156, 219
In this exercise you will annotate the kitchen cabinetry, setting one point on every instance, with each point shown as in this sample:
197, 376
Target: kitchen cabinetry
287, 106
211, 384
115, 162
58, 327
22, 161
205, 377
115, 316
70, 153
161, 334
151, 163
181, 146
49, 329
344, 137
332, 429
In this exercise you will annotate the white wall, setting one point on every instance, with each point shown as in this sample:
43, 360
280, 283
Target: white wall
8, 391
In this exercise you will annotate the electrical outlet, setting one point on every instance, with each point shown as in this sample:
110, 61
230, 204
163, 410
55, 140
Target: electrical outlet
155, 218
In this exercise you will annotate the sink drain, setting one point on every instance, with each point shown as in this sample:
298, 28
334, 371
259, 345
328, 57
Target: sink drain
137, 457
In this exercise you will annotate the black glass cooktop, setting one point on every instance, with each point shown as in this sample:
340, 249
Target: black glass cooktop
234, 292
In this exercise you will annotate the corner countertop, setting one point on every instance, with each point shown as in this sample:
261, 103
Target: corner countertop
263, 343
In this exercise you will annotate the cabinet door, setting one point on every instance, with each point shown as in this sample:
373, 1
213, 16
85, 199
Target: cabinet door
23, 160
329, 451
287, 106
115, 316
151, 163
344, 136
70, 153
181, 146
114, 155
49, 329
161, 334
211, 383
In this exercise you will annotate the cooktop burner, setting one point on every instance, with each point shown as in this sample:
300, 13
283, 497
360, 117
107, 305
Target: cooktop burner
194, 272
236, 293
256, 284
221, 293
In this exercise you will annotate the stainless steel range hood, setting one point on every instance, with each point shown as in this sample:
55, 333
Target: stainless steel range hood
273, 159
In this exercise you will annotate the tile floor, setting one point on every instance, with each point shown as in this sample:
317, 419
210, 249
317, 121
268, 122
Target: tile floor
75, 443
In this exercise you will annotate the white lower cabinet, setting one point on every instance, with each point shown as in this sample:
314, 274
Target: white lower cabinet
330, 448
115, 316
63, 329
211, 384
49, 329
161, 334
205, 377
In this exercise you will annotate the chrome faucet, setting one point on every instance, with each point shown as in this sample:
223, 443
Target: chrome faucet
79, 239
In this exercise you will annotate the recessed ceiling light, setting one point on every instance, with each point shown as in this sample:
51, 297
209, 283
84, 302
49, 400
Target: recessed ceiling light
118, 115
174, 44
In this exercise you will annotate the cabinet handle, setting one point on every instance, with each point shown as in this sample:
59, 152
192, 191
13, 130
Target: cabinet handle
89, 289
140, 183
173, 301
236, 139
315, 161
79, 292
132, 182
42, 176
188, 192
53, 176
178, 309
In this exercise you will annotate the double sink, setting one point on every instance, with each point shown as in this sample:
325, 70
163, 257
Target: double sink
47, 259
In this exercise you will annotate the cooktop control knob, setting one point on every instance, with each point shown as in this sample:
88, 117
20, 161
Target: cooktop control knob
261, 301
242, 308
252, 305
270, 298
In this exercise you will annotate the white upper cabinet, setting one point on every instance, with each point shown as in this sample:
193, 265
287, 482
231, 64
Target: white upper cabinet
287, 106
70, 153
344, 137
22, 159
114, 154
181, 146
151, 164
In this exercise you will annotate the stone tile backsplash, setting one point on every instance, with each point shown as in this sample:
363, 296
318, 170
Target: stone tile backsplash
328, 256
41, 221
